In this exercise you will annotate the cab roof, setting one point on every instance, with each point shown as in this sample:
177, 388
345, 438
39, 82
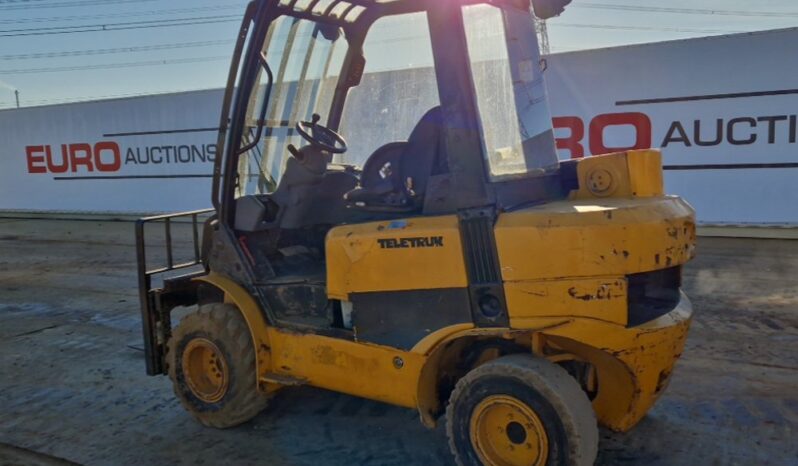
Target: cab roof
342, 12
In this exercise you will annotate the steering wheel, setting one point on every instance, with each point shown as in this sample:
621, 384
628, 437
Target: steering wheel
320, 136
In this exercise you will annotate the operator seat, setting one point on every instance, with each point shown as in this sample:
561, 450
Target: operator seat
394, 178
310, 192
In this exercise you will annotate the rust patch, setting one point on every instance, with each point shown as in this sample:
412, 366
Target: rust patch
324, 355
328, 356
604, 292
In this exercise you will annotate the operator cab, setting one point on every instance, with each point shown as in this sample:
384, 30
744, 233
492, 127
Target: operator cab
366, 110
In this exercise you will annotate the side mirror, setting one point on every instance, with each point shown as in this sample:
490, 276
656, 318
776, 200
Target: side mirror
545, 9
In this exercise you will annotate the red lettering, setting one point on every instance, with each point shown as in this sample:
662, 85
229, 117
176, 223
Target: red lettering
573, 141
105, 156
640, 121
35, 162
64, 166
76, 160
116, 161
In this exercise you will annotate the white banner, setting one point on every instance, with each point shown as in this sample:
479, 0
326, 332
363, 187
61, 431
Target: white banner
722, 109
144, 154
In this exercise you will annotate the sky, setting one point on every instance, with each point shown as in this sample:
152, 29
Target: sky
55, 51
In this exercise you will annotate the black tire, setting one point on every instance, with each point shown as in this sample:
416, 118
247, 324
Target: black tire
238, 400
561, 407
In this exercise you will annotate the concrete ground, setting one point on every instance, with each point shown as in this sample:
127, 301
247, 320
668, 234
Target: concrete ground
73, 389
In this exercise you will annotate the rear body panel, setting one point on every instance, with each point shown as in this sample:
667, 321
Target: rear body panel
595, 237
572, 258
633, 364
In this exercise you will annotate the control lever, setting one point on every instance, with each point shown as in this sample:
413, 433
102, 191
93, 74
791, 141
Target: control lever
294, 151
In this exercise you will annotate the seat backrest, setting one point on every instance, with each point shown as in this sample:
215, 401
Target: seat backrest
413, 159
422, 150
390, 153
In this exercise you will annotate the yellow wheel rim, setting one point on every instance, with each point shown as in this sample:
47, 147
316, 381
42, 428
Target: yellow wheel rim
506, 432
205, 370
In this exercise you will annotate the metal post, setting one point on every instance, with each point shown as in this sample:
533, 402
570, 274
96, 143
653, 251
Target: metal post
16, 93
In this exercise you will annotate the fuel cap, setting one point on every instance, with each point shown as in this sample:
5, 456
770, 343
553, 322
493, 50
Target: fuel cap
601, 182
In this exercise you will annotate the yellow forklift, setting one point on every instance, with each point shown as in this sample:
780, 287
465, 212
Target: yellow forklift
442, 259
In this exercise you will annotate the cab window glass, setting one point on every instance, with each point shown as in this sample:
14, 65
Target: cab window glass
306, 63
505, 62
397, 89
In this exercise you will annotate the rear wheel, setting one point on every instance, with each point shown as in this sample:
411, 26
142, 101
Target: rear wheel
519, 410
212, 367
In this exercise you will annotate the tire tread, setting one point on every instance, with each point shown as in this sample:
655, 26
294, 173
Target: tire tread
225, 322
552, 382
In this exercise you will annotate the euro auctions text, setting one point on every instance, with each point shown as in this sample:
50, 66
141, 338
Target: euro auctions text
110, 157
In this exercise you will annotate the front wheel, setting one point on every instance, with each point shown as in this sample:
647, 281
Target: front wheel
212, 367
520, 410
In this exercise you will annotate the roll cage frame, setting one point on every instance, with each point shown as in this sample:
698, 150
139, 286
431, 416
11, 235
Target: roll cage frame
468, 185
467, 192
